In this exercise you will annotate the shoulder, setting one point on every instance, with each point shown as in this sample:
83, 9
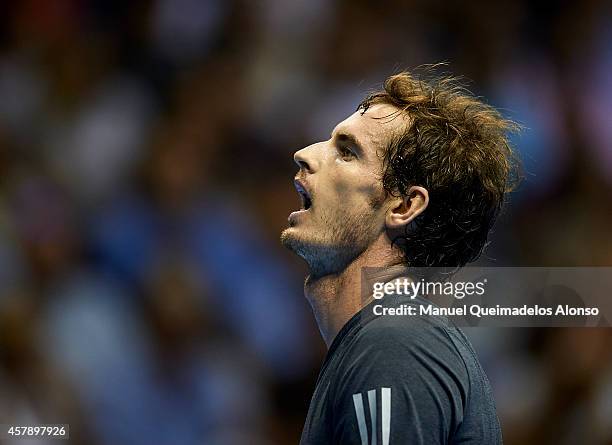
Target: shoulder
409, 336
392, 347
428, 370
416, 361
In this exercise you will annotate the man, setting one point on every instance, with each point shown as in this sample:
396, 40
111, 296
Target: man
414, 178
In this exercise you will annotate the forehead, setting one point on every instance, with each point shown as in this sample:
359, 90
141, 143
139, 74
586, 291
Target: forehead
374, 127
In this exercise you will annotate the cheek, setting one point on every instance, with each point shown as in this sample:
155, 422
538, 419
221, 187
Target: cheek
359, 188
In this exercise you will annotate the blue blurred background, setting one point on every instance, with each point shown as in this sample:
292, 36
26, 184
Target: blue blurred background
145, 171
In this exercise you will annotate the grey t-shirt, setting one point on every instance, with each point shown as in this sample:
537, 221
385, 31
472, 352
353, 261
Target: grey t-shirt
390, 380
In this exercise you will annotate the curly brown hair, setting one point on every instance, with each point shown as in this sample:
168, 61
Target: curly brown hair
457, 147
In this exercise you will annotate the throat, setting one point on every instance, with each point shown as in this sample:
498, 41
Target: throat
335, 298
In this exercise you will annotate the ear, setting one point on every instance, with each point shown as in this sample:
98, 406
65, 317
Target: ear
405, 208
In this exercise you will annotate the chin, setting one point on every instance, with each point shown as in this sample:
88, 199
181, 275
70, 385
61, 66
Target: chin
294, 240
291, 239
322, 258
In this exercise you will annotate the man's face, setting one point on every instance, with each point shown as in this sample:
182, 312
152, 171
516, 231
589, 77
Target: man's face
340, 184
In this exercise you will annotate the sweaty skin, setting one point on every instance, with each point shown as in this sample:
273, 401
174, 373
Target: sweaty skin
350, 220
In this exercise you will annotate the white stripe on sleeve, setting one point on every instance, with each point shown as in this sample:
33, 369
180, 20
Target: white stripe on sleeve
372, 403
363, 432
386, 415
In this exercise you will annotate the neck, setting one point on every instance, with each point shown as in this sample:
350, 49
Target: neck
335, 298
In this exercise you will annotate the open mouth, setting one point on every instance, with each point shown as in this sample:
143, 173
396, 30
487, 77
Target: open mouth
304, 195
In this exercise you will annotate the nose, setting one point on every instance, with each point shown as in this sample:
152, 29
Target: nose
305, 159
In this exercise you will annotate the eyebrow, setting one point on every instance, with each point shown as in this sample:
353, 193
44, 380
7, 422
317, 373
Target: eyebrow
345, 137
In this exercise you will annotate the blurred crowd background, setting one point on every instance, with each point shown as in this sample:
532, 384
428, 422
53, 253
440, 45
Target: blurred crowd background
146, 173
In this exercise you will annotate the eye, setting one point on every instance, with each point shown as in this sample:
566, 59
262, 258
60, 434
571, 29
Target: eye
346, 153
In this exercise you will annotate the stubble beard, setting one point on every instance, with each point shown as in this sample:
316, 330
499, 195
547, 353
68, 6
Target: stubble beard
334, 241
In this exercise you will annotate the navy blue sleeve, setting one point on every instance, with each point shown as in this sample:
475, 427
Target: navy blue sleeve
399, 385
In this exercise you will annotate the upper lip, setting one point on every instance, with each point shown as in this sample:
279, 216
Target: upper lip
304, 193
